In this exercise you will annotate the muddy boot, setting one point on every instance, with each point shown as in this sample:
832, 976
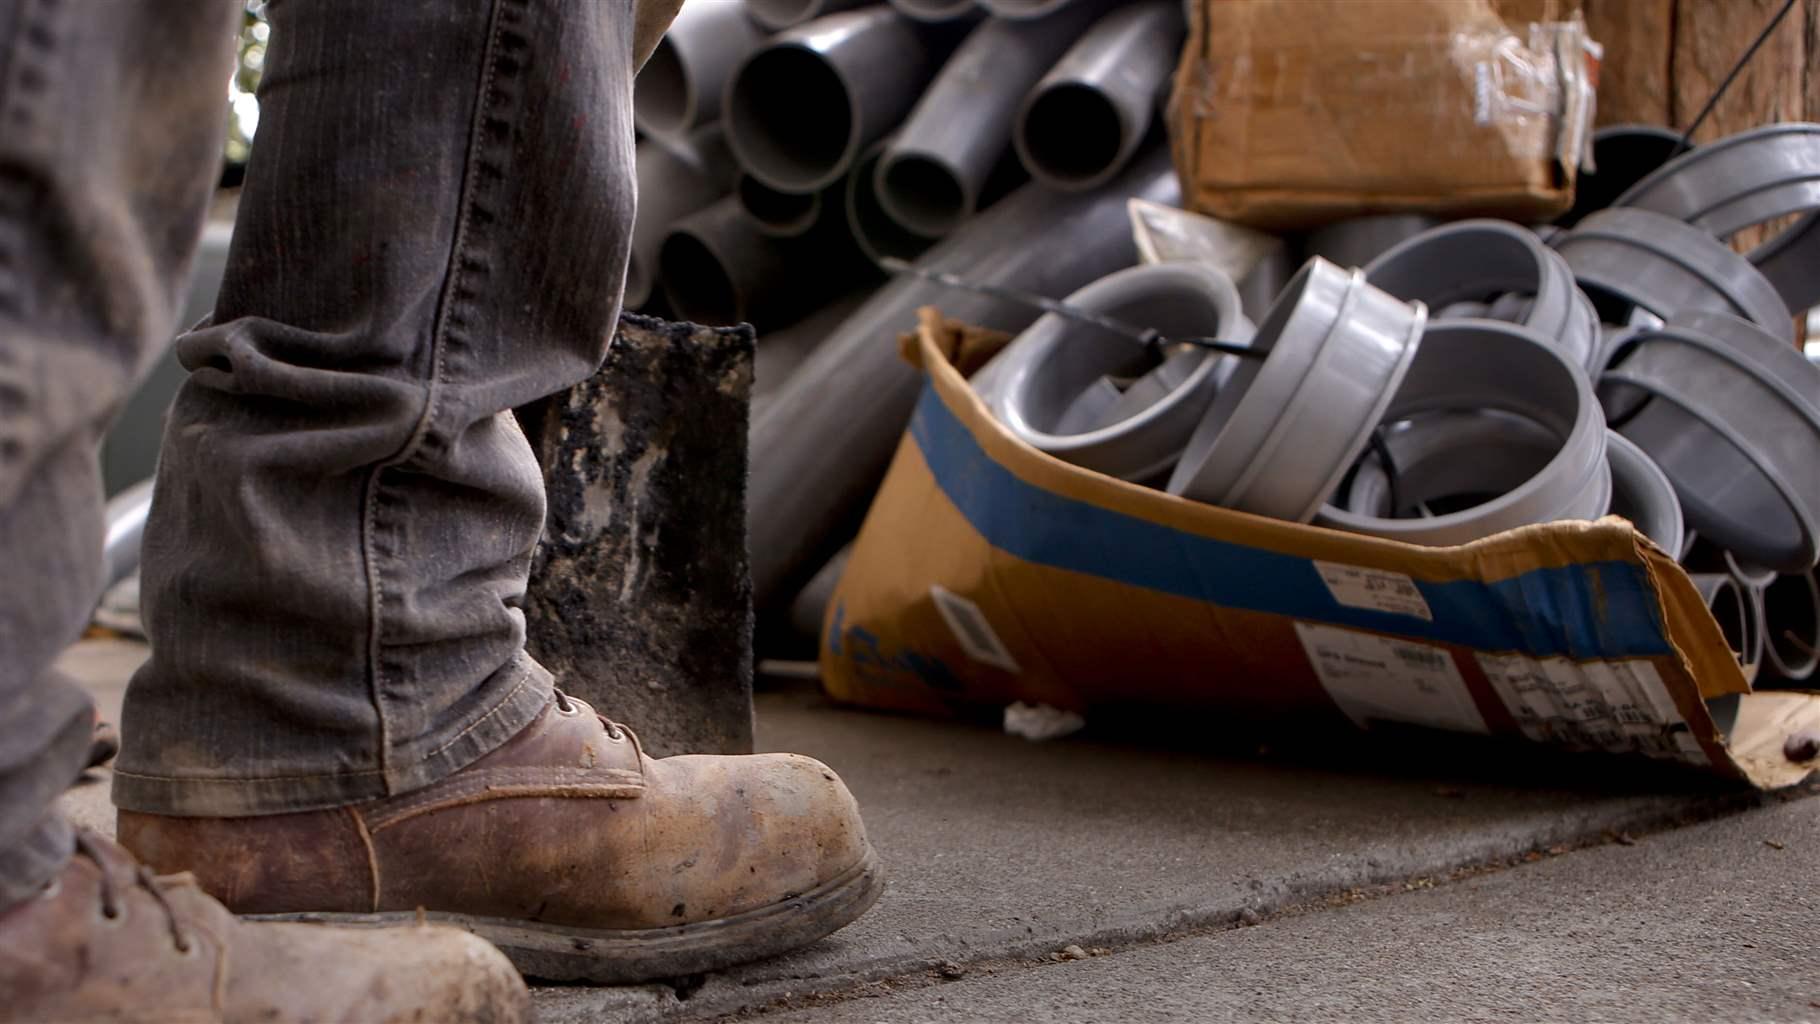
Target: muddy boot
577, 855
108, 941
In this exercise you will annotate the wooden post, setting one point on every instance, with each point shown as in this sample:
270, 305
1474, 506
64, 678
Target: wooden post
1664, 57
641, 591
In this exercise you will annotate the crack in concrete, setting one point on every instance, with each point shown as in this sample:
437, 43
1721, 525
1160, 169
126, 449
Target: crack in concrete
729, 997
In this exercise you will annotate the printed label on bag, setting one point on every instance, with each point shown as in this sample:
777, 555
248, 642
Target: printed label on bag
1378, 677
1597, 705
1377, 589
969, 626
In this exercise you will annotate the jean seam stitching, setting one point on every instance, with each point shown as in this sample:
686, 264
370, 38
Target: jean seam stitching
241, 779
438, 339
524, 677
366, 842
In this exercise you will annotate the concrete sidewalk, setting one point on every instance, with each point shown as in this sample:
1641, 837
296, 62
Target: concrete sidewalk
1720, 922
1003, 853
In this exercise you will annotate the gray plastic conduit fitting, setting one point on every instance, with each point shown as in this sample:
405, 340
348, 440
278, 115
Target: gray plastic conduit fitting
1088, 115
1737, 615
1494, 262
1631, 257
1705, 556
1283, 430
1451, 461
1643, 494
1775, 359
1136, 434
1749, 178
680, 88
935, 10
1445, 460
801, 108
1356, 241
1791, 624
1773, 356
930, 178
675, 178
777, 15
1737, 442
1491, 364
821, 448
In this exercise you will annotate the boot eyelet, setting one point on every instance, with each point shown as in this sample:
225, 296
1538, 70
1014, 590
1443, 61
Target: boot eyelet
189, 950
113, 917
569, 710
615, 734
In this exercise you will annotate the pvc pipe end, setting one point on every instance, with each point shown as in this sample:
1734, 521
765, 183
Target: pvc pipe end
922, 193
663, 98
790, 120
1070, 136
697, 283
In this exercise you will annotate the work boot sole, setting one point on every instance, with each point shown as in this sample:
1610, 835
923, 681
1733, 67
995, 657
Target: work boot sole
615, 957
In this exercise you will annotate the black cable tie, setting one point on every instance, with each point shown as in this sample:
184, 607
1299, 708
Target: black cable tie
1381, 448
1712, 101
1149, 337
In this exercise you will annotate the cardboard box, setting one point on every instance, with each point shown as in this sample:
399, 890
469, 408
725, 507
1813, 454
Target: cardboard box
988, 572
1292, 113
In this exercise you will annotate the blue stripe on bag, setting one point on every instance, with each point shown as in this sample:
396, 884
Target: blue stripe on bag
1594, 610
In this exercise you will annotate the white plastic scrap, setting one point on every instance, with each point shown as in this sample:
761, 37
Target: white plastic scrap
1164, 233
1036, 722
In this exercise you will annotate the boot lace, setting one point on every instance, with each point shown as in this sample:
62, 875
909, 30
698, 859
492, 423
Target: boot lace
88, 845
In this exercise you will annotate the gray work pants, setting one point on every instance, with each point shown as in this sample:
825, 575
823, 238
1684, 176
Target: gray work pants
433, 231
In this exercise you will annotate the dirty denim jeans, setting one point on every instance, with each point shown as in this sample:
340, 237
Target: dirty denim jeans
433, 231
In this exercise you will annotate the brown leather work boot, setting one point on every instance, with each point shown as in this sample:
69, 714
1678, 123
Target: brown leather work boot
577, 855
108, 941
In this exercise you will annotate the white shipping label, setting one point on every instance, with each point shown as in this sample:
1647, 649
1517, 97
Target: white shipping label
1595, 705
969, 626
1376, 589
1378, 677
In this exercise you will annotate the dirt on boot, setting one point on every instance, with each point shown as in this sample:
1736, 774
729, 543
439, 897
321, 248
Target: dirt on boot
580, 857
108, 940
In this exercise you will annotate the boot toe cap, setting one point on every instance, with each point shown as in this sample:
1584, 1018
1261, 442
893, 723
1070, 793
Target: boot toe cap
414, 973
766, 828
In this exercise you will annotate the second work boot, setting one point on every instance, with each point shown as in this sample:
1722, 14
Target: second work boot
580, 857
108, 941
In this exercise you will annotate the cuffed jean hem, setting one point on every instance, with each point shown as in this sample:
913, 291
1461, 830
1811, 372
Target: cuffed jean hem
27, 867
227, 796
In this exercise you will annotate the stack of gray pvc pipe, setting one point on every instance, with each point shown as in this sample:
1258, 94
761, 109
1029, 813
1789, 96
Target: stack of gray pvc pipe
787, 144
1471, 378
789, 148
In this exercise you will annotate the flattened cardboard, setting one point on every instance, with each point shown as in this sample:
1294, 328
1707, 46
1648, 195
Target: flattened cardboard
988, 572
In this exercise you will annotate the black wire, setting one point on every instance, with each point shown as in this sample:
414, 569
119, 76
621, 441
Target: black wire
1381, 448
1231, 348
1148, 337
1713, 100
